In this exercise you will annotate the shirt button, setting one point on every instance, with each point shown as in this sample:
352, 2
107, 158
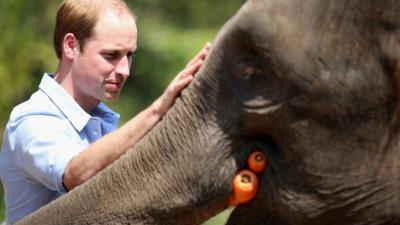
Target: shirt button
95, 132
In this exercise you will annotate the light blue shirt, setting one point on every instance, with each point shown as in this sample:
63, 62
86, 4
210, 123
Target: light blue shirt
41, 137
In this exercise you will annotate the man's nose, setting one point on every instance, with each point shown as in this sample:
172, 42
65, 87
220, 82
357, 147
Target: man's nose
123, 67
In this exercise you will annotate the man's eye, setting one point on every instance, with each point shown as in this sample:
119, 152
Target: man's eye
130, 56
110, 56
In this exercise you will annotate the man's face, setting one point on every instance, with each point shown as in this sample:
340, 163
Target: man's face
102, 67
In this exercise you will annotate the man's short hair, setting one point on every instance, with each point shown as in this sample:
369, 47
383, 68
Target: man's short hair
80, 17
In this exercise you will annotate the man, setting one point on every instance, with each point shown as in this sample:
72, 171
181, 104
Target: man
63, 135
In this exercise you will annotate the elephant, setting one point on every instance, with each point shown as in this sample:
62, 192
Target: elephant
314, 84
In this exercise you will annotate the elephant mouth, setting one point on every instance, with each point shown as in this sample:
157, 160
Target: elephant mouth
264, 108
263, 103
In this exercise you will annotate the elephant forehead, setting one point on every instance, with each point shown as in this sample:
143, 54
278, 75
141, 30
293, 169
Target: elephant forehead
279, 27
295, 28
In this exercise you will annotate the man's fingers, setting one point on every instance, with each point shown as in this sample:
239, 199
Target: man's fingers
182, 80
201, 55
183, 83
179, 85
190, 70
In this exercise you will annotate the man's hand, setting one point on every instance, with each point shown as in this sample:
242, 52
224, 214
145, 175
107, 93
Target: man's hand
182, 80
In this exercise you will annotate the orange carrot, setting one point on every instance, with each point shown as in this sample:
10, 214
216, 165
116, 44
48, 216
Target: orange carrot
257, 161
245, 186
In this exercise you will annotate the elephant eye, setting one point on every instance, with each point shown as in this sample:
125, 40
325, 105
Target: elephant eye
254, 79
246, 71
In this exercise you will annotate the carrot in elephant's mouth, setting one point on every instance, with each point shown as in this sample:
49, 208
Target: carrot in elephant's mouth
245, 183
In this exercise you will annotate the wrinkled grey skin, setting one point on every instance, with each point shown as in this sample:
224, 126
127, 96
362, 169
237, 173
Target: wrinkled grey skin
327, 95
312, 82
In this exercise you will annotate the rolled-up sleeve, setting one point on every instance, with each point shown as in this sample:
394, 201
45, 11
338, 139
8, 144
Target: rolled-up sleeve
44, 148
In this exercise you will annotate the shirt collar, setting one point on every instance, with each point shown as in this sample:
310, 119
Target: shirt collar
70, 108
108, 116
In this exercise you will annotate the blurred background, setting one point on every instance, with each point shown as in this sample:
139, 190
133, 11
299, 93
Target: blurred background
170, 34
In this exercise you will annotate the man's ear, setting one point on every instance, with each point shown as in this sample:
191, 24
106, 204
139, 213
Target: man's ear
70, 46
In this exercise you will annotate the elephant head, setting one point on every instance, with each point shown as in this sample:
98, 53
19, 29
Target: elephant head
319, 79
312, 83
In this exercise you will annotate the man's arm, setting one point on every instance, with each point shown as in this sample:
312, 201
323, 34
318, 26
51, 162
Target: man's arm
109, 148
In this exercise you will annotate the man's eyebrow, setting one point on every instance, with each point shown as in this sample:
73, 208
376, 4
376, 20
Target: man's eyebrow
115, 50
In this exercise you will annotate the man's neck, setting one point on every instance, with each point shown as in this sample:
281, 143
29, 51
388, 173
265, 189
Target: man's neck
63, 76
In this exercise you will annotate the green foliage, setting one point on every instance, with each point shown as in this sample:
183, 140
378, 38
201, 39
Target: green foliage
220, 218
170, 34
26, 50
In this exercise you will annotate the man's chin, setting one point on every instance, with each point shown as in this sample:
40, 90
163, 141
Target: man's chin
109, 97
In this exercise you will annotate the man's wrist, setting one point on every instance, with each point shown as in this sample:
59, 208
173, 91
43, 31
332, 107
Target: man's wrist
156, 109
138, 126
